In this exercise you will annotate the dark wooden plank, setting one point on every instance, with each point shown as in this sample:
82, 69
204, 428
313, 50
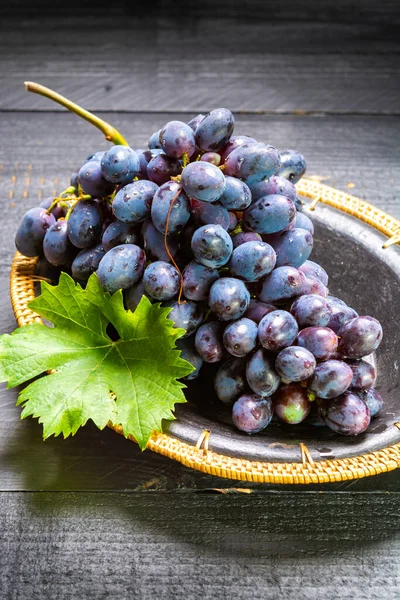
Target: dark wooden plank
183, 64
286, 546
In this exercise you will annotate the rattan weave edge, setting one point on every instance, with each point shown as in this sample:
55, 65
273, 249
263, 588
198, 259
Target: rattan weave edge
200, 458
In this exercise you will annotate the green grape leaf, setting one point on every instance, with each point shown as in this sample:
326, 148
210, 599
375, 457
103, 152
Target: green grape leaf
80, 373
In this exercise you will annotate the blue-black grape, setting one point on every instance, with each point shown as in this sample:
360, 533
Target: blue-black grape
197, 281
92, 181
121, 267
235, 142
331, 378
212, 157
154, 141
57, 211
56, 245
193, 123
161, 280
292, 165
364, 374
188, 352
252, 260
341, 313
261, 375
295, 363
312, 285
207, 213
291, 403
230, 380
84, 224
214, 131
97, 156
269, 214
87, 262
320, 341
133, 295
177, 139
154, 243
304, 222
311, 310
187, 315
232, 221
117, 233
245, 236
240, 337
277, 330
161, 168
236, 195
257, 310
274, 186
211, 246
208, 342
170, 193
311, 268
31, 231
120, 164
251, 413
283, 283
132, 204
359, 337
46, 270
347, 414
373, 400
229, 298
293, 247
252, 163
203, 181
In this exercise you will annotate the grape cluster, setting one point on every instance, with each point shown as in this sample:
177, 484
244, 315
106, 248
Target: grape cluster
210, 224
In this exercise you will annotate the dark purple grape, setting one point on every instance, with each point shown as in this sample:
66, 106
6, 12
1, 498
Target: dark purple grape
295, 364
197, 281
291, 403
347, 414
314, 416
58, 212
240, 337
46, 270
74, 181
118, 233
304, 222
261, 375
92, 181
154, 243
310, 268
121, 267
282, 284
252, 163
154, 141
31, 231
293, 248
236, 195
251, 413
87, 262
211, 246
292, 165
161, 280
212, 157
364, 374
373, 400
205, 213
188, 352
359, 337
330, 379
120, 164
232, 221
245, 236
228, 299
133, 295
277, 330
56, 245
230, 380
252, 260
170, 193
193, 123
274, 186
187, 315
203, 181
235, 142
311, 311
132, 204
257, 310
213, 132
85, 224
341, 313
208, 342
177, 139
162, 168
269, 214
312, 285
320, 341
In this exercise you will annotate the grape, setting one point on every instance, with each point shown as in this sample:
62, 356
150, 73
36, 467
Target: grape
373, 400
132, 204
277, 330
235, 142
311, 310
31, 231
295, 364
177, 139
203, 181
197, 280
293, 248
46, 270
97, 156
320, 341
252, 414
291, 403
364, 374
274, 186
208, 342
236, 195
162, 168
87, 262
252, 260
261, 375
154, 244
211, 157
193, 123
312, 285
245, 236
230, 380
252, 163
211, 245
257, 310
133, 295
269, 214
229, 298
304, 222
341, 313
58, 212
359, 337
240, 337
330, 379
154, 141
283, 283
92, 181
214, 131
314, 416
160, 208
161, 280
188, 352
293, 165
232, 221
186, 316
74, 181
84, 224
310, 268
120, 164
347, 414
56, 245
121, 267
206, 213
118, 233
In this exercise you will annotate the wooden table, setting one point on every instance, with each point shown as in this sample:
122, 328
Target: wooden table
92, 516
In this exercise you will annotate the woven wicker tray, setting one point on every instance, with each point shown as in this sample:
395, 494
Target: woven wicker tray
198, 455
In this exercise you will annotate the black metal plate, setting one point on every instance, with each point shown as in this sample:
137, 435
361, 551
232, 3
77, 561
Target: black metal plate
367, 277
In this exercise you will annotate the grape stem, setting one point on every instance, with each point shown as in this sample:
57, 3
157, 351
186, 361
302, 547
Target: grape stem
111, 134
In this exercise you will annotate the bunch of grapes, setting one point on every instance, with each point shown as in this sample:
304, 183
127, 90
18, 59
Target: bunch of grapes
209, 224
